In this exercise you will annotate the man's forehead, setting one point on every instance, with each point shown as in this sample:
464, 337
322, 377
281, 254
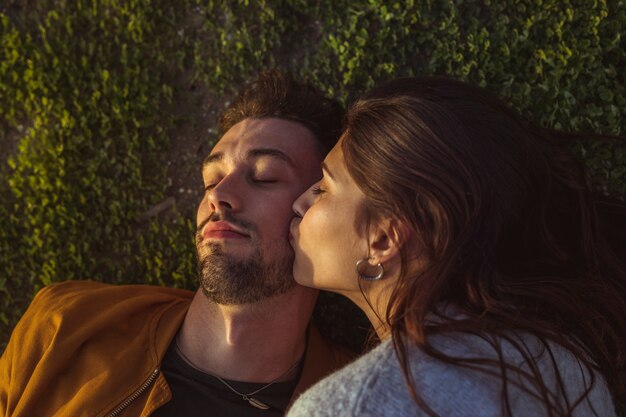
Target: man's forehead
284, 136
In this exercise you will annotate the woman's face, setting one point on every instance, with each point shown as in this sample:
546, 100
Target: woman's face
325, 236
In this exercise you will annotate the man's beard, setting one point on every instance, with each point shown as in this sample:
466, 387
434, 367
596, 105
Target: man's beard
228, 280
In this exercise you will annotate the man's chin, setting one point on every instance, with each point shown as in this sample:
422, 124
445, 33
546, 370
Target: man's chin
228, 280
248, 296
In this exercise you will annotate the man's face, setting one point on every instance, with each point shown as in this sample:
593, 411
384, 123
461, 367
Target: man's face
252, 177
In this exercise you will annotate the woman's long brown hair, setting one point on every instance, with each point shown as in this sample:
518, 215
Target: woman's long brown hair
507, 229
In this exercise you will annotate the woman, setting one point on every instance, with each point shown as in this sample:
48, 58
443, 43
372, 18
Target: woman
470, 240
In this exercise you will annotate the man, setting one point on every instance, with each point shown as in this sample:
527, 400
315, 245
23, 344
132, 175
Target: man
242, 344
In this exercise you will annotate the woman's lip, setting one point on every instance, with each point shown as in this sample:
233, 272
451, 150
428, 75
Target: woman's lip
293, 225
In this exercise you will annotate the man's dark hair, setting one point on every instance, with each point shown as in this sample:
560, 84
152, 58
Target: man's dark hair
275, 93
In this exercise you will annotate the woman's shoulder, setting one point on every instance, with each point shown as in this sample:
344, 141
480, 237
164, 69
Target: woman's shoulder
375, 385
476, 389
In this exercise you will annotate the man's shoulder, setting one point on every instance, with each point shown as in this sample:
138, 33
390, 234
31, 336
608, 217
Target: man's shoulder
84, 309
70, 294
82, 304
81, 286
73, 331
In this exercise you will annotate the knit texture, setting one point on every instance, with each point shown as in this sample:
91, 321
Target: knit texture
374, 385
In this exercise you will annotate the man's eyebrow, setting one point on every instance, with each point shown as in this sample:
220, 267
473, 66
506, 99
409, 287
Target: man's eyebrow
327, 171
274, 153
212, 159
254, 153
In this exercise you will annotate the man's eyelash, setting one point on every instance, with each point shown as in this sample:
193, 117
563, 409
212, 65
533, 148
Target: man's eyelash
317, 190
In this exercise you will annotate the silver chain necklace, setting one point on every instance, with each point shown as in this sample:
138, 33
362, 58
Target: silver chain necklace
247, 397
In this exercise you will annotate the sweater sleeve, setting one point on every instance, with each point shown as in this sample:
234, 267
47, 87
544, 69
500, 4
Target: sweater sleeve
341, 394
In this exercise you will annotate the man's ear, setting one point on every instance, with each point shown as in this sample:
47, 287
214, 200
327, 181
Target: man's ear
386, 239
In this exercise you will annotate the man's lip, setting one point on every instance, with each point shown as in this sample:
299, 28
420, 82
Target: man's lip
222, 229
223, 234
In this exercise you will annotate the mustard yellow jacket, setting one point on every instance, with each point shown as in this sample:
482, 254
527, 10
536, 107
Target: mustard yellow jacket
89, 349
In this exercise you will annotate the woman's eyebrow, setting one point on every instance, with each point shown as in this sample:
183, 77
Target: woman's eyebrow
327, 171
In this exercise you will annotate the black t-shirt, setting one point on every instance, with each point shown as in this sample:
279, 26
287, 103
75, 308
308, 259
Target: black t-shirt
195, 393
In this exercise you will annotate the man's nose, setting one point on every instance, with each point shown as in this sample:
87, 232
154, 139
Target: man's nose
302, 203
225, 195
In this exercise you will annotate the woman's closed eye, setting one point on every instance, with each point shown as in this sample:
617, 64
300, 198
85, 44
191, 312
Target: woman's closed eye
317, 190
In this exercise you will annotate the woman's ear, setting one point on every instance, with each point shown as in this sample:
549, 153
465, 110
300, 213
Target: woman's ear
386, 239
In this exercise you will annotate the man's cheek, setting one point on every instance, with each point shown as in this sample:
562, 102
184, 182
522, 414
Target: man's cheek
203, 212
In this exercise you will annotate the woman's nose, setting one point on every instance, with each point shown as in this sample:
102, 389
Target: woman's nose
302, 203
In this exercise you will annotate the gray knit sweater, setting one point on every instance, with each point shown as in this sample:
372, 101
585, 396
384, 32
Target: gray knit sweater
374, 384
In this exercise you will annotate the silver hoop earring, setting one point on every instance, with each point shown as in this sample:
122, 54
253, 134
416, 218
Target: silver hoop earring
365, 277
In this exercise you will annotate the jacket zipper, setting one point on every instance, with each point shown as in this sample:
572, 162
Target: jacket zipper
135, 394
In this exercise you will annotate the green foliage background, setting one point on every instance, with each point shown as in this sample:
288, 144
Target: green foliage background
90, 92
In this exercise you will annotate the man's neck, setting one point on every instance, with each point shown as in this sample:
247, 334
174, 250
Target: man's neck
252, 342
